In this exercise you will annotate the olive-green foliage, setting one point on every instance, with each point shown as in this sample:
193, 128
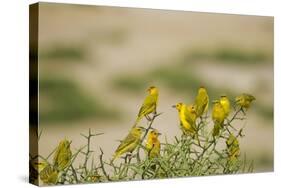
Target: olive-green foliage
65, 101
175, 78
229, 55
129, 83
67, 52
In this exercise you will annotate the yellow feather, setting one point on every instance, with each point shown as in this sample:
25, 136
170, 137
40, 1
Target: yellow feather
218, 116
153, 144
201, 102
130, 143
149, 105
244, 100
224, 101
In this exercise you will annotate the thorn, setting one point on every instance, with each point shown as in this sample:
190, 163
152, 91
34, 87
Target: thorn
101, 151
97, 134
84, 135
158, 114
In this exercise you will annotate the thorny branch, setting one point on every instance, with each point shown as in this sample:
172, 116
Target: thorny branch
184, 157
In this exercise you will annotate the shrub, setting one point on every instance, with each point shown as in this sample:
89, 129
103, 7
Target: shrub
182, 157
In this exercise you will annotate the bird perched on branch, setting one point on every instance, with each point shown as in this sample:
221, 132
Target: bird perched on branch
224, 101
191, 115
218, 116
201, 101
187, 117
244, 100
130, 143
153, 144
49, 174
233, 148
149, 105
62, 156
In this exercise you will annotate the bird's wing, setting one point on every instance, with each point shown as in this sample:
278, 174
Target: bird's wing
201, 102
148, 103
127, 141
250, 97
205, 100
197, 100
187, 115
56, 156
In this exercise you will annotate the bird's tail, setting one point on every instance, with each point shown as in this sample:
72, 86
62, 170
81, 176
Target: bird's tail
114, 157
216, 130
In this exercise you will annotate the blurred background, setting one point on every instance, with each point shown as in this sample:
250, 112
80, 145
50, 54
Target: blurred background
95, 64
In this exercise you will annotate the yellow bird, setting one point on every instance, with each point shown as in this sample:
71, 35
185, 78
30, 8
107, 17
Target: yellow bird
201, 102
49, 175
149, 105
224, 101
62, 156
130, 143
153, 144
218, 116
233, 148
244, 100
191, 115
186, 118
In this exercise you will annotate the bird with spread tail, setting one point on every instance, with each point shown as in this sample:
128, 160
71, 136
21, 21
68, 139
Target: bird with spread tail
201, 101
149, 105
130, 143
218, 116
153, 144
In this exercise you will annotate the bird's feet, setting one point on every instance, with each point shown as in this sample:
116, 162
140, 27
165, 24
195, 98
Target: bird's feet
148, 118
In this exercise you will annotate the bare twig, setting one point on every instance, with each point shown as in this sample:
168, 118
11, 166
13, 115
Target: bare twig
88, 150
74, 173
102, 166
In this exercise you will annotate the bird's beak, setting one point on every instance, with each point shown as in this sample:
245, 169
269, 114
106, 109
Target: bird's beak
174, 106
159, 134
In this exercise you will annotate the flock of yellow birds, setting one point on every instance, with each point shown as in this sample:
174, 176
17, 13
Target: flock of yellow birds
188, 115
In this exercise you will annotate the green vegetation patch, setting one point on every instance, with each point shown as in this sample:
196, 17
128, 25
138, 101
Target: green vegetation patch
66, 102
129, 83
63, 53
230, 55
175, 78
